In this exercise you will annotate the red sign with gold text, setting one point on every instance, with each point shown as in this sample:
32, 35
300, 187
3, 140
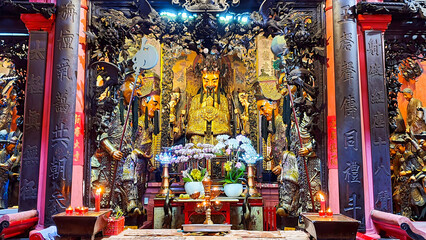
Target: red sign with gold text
332, 142
79, 139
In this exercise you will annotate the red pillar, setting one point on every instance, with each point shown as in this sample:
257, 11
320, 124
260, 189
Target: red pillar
78, 162
36, 22
379, 23
333, 174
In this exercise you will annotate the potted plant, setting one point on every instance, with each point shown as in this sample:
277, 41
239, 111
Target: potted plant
193, 180
115, 223
233, 178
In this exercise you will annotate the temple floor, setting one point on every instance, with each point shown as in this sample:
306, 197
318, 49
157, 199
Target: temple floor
175, 234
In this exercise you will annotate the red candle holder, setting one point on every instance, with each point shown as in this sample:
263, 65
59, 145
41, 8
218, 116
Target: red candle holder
84, 210
321, 213
69, 210
329, 213
78, 210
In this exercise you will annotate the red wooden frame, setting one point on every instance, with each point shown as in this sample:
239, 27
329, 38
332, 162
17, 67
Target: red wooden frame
16, 228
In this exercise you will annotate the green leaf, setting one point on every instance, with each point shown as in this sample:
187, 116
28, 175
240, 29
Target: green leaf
186, 179
243, 167
203, 172
228, 181
239, 175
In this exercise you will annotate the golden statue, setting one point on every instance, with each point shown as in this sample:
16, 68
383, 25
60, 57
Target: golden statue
242, 114
209, 113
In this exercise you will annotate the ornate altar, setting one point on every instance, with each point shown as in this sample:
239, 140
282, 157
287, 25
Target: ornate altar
209, 83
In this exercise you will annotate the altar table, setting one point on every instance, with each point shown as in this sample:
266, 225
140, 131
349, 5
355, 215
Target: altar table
190, 204
185, 208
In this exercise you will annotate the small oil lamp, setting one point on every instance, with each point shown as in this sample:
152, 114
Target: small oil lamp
78, 210
84, 210
329, 213
165, 158
69, 210
251, 159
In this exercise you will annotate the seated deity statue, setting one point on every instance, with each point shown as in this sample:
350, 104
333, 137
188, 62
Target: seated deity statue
208, 115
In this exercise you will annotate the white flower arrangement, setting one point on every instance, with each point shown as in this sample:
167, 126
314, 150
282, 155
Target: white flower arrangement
189, 151
240, 145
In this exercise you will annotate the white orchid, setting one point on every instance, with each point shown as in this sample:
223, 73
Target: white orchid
222, 138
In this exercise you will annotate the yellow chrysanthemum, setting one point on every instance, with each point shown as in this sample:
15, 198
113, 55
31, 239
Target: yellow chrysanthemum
196, 174
228, 166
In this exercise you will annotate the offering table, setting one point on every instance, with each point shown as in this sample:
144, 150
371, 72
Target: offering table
85, 225
337, 226
231, 211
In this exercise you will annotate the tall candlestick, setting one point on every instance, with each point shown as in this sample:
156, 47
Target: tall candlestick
322, 201
98, 200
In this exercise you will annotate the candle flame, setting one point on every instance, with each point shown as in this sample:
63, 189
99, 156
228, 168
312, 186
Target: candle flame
329, 210
322, 198
98, 191
69, 208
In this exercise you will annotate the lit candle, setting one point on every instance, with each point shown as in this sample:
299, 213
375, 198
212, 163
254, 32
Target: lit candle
69, 210
98, 200
217, 202
322, 201
84, 210
78, 210
329, 213
321, 213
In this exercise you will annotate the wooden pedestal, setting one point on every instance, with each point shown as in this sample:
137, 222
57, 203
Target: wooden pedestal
81, 225
336, 227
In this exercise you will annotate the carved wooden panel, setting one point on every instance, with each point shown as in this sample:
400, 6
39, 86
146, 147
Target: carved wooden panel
378, 121
32, 121
348, 114
62, 114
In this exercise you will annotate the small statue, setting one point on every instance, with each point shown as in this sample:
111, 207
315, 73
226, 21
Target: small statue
243, 126
8, 156
177, 120
415, 122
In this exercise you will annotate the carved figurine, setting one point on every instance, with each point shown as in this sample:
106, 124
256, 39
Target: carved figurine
177, 119
415, 122
243, 125
8, 156
209, 113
